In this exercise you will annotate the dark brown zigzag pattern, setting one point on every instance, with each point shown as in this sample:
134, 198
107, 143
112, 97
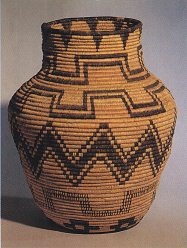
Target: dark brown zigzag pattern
105, 145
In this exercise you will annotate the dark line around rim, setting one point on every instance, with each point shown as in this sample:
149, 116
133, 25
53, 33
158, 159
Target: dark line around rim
47, 27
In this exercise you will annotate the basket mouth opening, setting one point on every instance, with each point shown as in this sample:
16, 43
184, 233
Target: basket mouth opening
104, 25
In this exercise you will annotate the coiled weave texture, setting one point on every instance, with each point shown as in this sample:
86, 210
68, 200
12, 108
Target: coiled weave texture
94, 126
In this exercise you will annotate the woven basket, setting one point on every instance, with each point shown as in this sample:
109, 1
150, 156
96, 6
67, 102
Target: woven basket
94, 126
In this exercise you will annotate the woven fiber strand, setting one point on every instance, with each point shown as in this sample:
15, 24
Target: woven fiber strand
94, 126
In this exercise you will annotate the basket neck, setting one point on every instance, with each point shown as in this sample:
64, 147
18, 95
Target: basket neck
67, 44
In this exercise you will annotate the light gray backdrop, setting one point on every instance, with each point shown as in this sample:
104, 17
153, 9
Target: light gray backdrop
164, 46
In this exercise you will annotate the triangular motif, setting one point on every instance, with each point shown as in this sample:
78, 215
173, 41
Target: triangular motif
118, 23
66, 37
97, 37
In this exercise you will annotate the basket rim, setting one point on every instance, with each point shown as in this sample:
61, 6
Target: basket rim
135, 24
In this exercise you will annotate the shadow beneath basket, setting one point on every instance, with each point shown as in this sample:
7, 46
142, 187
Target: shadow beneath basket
24, 211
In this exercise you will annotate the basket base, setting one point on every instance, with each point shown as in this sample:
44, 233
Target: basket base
83, 227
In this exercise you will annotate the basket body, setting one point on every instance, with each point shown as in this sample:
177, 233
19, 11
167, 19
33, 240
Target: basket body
93, 127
